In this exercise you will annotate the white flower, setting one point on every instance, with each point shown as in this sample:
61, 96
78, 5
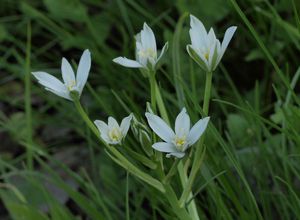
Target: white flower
111, 132
206, 49
146, 52
70, 83
176, 142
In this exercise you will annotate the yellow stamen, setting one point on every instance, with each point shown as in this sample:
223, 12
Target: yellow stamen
149, 52
179, 142
115, 134
206, 55
71, 85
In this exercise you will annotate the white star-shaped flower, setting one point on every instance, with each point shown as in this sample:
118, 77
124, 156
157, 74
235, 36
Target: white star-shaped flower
206, 49
112, 132
70, 82
176, 143
146, 51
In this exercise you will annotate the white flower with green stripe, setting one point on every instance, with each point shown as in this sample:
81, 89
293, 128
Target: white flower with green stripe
146, 51
112, 132
206, 49
176, 143
70, 84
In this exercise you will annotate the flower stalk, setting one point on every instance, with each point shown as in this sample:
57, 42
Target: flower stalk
152, 82
199, 151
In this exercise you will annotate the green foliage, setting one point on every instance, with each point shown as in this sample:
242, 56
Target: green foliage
251, 165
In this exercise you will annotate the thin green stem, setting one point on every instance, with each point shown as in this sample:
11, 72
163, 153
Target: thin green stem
207, 93
152, 90
171, 172
199, 151
28, 99
172, 198
182, 174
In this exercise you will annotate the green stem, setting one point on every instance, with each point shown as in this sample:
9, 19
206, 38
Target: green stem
152, 90
182, 174
196, 162
171, 172
207, 93
161, 105
118, 156
180, 212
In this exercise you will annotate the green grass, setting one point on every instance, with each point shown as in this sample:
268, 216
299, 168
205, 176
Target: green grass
251, 167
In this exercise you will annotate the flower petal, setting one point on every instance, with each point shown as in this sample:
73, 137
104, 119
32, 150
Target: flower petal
197, 130
163, 50
112, 123
83, 69
164, 147
102, 126
67, 72
212, 56
103, 129
127, 62
182, 123
65, 94
148, 39
125, 124
227, 38
160, 127
202, 62
214, 59
49, 81
176, 154
211, 38
197, 32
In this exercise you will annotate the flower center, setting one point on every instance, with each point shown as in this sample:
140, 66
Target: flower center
71, 85
115, 134
180, 142
206, 55
149, 52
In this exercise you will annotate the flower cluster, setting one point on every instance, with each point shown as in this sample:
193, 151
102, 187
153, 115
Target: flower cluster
205, 49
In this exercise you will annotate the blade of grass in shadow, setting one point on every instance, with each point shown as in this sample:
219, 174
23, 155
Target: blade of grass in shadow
28, 110
264, 48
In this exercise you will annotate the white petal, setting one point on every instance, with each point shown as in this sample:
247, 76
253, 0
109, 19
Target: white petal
83, 70
148, 39
211, 38
216, 55
102, 126
164, 147
198, 33
195, 56
197, 130
49, 81
127, 62
103, 129
112, 123
65, 94
212, 56
67, 72
182, 123
227, 38
176, 154
164, 49
160, 127
125, 124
